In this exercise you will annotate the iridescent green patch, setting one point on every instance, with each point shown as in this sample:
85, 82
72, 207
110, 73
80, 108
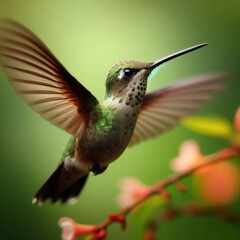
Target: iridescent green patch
69, 149
106, 121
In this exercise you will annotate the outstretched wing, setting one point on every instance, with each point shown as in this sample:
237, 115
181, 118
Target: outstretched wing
41, 79
162, 108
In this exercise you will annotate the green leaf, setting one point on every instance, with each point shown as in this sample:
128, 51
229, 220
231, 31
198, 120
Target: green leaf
212, 126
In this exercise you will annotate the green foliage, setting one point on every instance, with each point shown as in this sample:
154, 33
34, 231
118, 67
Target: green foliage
211, 126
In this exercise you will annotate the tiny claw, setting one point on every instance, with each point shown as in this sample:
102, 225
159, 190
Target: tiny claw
97, 169
118, 218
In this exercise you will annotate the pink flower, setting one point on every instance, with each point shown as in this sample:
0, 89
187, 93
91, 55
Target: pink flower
220, 184
237, 120
71, 229
131, 190
189, 156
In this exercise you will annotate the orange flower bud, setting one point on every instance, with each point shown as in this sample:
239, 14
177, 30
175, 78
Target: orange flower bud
220, 184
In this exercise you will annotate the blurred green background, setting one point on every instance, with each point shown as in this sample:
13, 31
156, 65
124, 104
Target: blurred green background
88, 37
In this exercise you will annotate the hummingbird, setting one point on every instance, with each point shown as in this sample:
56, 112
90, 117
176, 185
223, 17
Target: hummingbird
99, 131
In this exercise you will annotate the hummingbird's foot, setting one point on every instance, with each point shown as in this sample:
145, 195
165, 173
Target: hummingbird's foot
97, 169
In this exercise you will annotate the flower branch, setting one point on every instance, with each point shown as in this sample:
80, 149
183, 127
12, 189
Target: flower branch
174, 179
99, 231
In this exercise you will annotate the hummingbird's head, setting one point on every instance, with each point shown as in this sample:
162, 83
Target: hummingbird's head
127, 76
128, 80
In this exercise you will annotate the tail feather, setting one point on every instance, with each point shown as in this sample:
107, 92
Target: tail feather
61, 185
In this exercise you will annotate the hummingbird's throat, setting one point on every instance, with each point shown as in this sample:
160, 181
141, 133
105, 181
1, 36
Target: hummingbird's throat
136, 92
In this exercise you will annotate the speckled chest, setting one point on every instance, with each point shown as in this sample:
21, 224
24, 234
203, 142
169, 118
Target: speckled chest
106, 139
131, 105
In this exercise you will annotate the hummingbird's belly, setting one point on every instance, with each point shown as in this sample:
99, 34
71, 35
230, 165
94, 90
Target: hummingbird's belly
105, 139
101, 148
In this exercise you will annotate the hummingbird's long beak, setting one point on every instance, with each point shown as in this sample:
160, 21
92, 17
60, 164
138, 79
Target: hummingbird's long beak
174, 55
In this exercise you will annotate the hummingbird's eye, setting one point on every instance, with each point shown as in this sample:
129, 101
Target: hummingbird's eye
129, 72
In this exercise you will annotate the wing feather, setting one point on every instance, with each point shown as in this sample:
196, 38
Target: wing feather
40, 79
163, 108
